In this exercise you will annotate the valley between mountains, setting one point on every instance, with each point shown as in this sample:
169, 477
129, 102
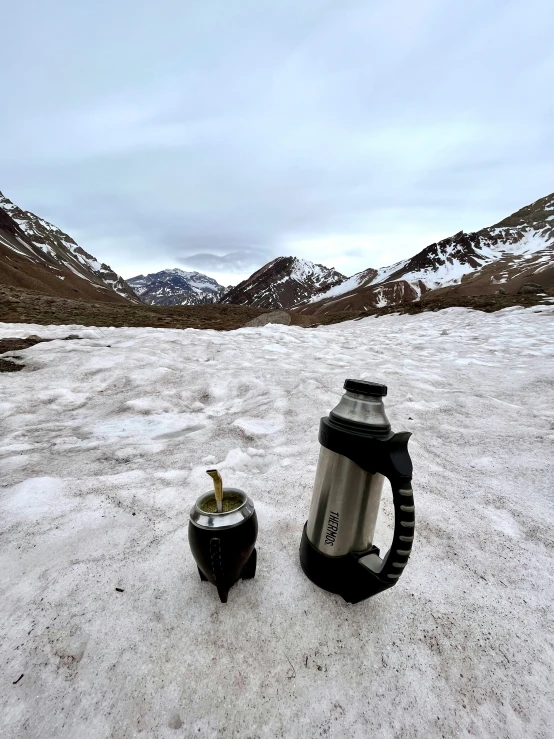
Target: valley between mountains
511, 262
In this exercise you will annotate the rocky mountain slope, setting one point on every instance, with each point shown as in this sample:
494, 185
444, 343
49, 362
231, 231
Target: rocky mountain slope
36, 255
177, 287
282, 283
504, 257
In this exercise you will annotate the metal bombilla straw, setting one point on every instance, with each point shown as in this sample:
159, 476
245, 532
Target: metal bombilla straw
218, 489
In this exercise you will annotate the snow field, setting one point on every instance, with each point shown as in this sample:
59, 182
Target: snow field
104, 446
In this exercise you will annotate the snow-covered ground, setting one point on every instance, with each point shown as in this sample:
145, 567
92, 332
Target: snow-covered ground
104, 447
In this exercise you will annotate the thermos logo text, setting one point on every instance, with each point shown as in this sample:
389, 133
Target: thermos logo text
332, 528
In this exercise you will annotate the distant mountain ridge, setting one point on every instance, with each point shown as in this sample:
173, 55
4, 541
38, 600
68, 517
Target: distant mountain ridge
36, 255
503, 258
283, 283
518, 249
177, 287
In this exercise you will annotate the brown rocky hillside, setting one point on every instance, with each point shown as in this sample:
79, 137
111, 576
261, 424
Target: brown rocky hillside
36, 255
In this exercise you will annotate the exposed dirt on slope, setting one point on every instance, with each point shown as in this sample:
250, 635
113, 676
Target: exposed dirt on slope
25, 306
18, 271
36, 255
15, 345
486, 303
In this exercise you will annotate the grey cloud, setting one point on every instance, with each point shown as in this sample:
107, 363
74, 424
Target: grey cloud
235, 262
219, 136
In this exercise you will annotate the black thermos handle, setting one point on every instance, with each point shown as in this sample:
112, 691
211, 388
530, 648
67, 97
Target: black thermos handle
404, 525
398, 469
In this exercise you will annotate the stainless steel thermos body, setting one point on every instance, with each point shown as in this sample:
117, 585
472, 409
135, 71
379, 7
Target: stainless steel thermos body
345, 505
358, 451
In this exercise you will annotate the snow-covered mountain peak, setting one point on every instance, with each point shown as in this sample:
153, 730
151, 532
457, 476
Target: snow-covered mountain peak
517, 248
176, 286
283, 283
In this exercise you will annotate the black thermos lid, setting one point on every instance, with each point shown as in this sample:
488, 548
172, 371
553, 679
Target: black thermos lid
365, 388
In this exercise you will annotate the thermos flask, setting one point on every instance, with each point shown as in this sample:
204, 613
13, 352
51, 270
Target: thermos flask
358, 451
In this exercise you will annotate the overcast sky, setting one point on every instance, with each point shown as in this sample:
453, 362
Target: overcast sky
217, 135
